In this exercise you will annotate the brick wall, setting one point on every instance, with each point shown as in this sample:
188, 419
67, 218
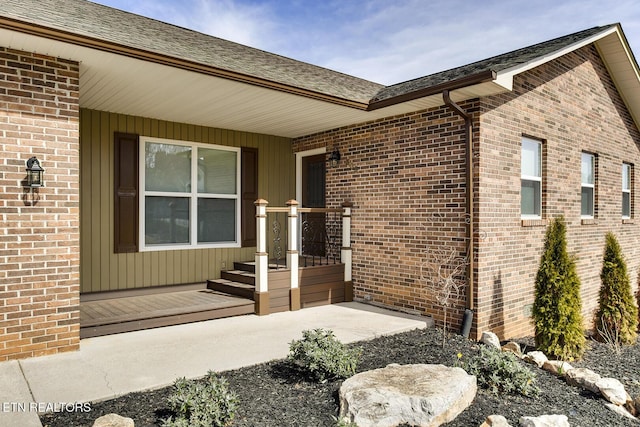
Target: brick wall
406, 178
572, 105
39, 242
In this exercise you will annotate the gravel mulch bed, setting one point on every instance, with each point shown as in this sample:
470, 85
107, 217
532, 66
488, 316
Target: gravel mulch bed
272, 394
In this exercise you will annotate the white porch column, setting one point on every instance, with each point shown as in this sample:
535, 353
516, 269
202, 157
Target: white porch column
262, 257
292, 242
345, 252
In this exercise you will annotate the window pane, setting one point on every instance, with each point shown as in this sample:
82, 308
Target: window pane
166, 220
626, 176
167, 167
531, 165
216, 171
530, 202
626, 204
216, 220
587, 202
587, 168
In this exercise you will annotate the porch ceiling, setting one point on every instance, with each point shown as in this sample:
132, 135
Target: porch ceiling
118, 83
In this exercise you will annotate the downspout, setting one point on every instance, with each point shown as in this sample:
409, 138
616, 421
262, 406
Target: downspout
468, 315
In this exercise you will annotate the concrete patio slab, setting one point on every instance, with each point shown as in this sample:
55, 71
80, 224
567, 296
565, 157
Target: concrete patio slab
110, 366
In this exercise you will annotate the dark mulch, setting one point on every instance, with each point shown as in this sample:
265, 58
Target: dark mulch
272, 394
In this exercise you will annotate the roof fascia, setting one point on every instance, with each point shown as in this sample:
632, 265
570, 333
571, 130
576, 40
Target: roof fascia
470, 80
505, 77
111, 47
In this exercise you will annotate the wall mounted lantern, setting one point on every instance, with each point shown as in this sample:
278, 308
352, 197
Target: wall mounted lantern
334, 157
34, 173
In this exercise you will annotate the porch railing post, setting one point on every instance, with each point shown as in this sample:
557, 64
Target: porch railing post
292, 254
262, 259
345, 251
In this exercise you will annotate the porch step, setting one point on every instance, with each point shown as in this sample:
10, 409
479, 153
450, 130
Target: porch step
244, 290
239, 276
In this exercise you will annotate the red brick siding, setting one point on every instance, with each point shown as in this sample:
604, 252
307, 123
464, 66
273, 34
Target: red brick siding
572, 105
39, 244
406, 178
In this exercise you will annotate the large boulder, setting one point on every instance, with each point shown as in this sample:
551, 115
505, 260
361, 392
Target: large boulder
545, 421
584, 378
419, 395
113, 420
490, 339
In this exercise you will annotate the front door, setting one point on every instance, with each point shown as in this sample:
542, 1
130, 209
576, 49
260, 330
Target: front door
313, 196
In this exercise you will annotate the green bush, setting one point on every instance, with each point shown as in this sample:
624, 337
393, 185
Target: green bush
201, 403
557, 307
617, 316
321, 356
501, 372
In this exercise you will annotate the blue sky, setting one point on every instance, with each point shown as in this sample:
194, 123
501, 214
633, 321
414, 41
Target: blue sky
390, 41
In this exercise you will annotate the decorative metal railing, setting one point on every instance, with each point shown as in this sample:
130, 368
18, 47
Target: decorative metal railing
325, 237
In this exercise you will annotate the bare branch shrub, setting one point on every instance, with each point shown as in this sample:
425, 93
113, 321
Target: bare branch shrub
442, 273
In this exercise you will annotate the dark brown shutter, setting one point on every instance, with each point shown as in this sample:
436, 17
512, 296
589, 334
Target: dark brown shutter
249, 164
126, 192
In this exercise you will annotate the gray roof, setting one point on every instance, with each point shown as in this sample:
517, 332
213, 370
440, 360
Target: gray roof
496, 64
123, 28
110, 25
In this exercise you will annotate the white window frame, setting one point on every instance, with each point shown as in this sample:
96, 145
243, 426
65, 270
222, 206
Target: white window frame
193, 195
627, 188
524, 177
591, 185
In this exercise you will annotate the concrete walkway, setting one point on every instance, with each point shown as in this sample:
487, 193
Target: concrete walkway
107, 367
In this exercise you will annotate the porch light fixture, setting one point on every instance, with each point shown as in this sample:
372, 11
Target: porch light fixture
34, 173
334, 157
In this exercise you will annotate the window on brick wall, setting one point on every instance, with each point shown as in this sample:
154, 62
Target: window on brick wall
531, 179
588, 186
627, 190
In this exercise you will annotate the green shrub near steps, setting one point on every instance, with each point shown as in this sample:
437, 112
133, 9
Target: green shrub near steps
321, 356
202, 403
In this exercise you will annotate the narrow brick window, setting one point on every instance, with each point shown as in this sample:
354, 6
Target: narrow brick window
627, 190
531, 179
587, 204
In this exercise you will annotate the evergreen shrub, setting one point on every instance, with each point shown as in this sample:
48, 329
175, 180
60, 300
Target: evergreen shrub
616, 320
557, 306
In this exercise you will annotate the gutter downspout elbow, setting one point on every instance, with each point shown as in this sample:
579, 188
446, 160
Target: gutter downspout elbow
469, 196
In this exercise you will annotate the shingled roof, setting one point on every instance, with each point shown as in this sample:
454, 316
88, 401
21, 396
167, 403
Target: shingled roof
487, 66
104, 23
307, 98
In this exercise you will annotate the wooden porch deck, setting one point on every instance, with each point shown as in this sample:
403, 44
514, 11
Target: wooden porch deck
126, 311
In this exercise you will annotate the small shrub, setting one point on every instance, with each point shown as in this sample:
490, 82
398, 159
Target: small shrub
617, 316
557, 306
201, 403
320, 355
500, 372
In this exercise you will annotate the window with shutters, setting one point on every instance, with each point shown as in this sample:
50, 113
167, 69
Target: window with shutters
189, 195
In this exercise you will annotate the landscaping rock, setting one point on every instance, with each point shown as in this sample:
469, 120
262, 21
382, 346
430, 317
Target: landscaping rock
545, 421
495, 421
536, 357
613, 390
490, 339
558, 367
113, 420
584, 378
419, 395
620, 411
514, 348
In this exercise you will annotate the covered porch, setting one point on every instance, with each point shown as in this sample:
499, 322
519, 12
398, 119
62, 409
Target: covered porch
318, 274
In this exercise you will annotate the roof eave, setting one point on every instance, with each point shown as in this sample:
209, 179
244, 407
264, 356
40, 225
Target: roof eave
451, 85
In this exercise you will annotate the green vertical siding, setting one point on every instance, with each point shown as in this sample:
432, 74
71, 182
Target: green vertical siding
103, 270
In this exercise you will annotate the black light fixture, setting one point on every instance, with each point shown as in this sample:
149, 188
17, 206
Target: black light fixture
334, 157
34, 173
